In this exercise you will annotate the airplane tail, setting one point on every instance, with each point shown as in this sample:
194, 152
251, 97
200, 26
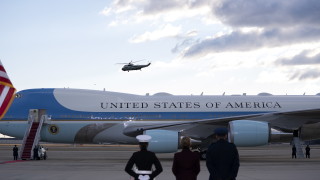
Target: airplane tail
7, 91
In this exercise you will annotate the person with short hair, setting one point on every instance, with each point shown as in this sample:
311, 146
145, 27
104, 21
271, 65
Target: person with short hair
15, 152
222, 158
36, 153
308, 152
143, 160
186, 164
294, 152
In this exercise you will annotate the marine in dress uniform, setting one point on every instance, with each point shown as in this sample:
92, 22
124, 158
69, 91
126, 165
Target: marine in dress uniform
186, 164
222, 157
143, 160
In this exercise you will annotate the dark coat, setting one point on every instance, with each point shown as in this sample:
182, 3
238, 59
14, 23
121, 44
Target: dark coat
143, 160
35, 152
222, 160
15, 151
294, 150
307, 150
186, 165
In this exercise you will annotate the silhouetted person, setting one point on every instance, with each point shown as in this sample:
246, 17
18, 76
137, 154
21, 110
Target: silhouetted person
294, 152
308, 152
186, 164
35, 153
15, 152
222, 157
143, 160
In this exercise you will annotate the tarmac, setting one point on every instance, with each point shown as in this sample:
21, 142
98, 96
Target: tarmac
83, 162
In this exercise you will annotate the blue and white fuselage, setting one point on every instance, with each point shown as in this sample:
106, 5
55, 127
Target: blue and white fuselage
90, 116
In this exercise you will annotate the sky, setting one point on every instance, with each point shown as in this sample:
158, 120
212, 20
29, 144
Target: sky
194, 46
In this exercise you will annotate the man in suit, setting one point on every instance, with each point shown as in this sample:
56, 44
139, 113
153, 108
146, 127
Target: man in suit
222, 157
143, 160
308, 152
15, 152
186, 164
294, 152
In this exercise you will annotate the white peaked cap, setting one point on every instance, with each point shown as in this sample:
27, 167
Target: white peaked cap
143, 138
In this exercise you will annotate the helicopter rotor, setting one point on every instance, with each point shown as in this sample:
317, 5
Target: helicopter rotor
132, 62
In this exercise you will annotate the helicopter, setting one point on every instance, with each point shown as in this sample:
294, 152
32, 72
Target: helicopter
131, 66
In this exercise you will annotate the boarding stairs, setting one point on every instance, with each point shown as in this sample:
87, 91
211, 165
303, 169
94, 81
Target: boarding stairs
32, 134
297, 142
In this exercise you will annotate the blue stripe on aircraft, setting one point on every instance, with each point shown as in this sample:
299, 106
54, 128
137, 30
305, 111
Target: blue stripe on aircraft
34, 98
72, 115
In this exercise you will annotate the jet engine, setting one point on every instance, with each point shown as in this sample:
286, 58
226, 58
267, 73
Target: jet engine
163, 141
249, 133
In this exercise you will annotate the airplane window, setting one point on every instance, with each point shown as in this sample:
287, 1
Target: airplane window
18, 95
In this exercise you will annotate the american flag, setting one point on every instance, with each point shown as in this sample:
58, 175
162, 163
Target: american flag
6, 91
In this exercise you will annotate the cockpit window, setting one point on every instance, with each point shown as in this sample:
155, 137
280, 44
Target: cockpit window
18, 95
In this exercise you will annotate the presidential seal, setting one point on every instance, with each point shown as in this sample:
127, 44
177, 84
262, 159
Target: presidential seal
53, 129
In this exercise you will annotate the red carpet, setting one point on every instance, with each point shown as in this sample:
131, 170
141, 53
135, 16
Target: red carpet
6, 162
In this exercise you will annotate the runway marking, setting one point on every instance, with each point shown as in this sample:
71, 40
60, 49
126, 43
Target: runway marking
7, 162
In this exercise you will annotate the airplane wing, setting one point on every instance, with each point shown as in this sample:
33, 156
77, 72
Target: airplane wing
289, 120
133, 129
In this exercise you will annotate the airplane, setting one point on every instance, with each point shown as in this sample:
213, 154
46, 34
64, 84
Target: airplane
130, 66
105, 117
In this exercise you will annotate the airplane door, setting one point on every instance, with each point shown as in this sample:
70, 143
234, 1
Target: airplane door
37, 114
